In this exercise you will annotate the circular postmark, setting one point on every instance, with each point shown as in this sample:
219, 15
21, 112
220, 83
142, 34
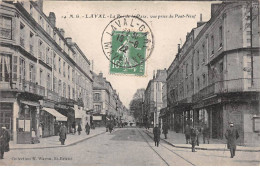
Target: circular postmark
127, 42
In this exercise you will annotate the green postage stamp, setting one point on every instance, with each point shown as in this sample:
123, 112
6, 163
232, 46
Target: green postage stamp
127, 42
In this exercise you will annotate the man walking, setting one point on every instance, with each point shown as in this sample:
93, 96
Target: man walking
156, 133
63, 134
79, 129
165, 130
193, 136
231, 136
87, 128
187, 133
4, 142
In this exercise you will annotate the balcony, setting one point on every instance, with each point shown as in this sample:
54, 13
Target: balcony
227, 86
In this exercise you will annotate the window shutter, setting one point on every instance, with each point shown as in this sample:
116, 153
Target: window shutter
14, 71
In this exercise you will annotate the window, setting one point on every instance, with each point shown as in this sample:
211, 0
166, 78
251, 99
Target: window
73, 94
5, 27
40, 50
31, 41
73, 75
5, 69
54, 36
64, 89
54, 61
47, 55
59, 87
22, 72
204, 79
198, 83
187, 66
41, 76
32, 73
69, 91
203, 53
59, 42
54, 84
49, 81
31, 10
68, 72
98, 108
198, 59
212, 44
97, 97
220, 36
22, 33
221, 67
59, 65
64, 69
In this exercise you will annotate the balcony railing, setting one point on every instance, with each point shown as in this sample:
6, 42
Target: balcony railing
227, 86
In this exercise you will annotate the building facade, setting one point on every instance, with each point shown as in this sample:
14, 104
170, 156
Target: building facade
107, 105
40, 77
153, 97
214, 78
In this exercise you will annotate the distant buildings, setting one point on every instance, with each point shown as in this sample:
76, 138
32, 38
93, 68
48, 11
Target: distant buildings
214, 78
153, 97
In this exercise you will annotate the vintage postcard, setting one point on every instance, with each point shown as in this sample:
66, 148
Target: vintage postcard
129, 83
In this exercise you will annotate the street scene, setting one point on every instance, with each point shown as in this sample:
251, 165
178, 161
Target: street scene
117, 83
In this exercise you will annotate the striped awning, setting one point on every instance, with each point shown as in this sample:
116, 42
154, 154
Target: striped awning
59, 117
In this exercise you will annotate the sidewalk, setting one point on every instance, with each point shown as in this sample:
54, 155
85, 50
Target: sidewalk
53, 141
178, 140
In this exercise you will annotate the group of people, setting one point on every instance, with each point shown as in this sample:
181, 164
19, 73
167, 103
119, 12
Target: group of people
192, 136
63, 131
109, 127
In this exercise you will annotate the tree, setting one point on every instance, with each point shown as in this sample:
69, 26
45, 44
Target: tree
136, 105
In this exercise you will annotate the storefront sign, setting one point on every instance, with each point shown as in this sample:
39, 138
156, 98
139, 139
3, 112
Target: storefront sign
97, 117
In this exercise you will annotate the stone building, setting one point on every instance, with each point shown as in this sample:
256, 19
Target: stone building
153, 97
214, 78
106, 102
45, 79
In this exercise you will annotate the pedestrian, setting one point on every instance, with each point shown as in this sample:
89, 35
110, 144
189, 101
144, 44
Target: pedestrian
110, 127
79, 129
63, 134
231, 136
4, 142
156, 133
87, 128
193, 137
205, 134
187, 133
165, 129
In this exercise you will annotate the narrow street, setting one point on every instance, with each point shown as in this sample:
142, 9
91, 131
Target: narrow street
125, 147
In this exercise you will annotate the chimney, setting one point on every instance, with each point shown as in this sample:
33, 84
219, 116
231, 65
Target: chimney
179, 48
100, 74
69, 40
62, 32
153, 74
52, 18
200, 22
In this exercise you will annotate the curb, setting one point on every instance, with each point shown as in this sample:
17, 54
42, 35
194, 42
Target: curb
198, 148
71, 144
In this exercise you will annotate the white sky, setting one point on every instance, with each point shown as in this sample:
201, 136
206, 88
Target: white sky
87, 32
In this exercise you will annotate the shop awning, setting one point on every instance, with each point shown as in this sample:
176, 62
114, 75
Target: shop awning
79, 114
59, 117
